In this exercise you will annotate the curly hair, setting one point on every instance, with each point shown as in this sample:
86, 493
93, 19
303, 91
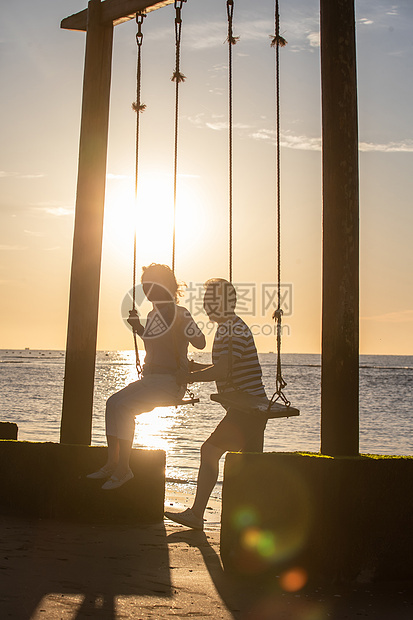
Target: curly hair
163, 275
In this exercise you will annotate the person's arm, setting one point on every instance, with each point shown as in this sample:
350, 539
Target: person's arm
214, 372
192, 331
193, 365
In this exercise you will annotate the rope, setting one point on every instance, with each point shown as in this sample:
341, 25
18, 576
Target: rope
177, 77
280, 384
231, 40
138, 107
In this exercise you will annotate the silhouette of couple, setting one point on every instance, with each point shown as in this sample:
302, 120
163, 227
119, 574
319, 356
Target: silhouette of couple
168, 330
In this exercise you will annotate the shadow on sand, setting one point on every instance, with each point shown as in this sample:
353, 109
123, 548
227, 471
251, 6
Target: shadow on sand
47, 565
53, 569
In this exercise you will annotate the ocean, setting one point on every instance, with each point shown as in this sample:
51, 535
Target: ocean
31, 387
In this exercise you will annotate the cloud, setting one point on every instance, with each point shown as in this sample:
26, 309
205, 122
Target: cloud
213, 33
289, 140
306, 143
53, 207
31, 176
314, 39
393, 11
223, 125
402, 316
392, 147
365, 21
33, 233
14, 248
216, 122
18, 175
184, 175
59, 211
117, 177
205, 36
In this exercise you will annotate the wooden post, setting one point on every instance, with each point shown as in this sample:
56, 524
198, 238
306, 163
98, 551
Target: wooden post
340, 331
76, 424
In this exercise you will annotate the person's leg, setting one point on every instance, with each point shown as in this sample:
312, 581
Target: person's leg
118, 416
125, 447
122, 472
112, 455
143, 395
254, 435
112, 406
207, 477
113, 451
237, 432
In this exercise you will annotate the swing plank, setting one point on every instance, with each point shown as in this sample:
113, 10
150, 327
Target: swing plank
114, 11
186, 401
253, 404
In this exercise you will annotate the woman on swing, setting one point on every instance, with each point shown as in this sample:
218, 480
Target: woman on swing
168, 330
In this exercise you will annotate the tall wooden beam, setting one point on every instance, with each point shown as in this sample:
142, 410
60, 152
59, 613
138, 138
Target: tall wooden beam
340, 331
114, 12
76, 421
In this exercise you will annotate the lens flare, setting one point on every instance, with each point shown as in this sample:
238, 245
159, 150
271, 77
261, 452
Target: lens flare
244, 517
272, 528
294, 579
261, 541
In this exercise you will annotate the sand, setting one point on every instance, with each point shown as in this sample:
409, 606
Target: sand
51, 569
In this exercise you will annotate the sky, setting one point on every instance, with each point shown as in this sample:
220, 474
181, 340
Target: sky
41, 73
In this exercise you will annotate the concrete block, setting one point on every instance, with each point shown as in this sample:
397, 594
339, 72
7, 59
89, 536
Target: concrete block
48, 480
8, 430
331, 518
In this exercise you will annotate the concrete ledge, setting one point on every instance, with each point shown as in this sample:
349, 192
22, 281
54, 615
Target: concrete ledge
48, 480
8, 430
332, 518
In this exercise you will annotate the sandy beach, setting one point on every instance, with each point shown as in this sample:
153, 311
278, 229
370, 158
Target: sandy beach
52, 569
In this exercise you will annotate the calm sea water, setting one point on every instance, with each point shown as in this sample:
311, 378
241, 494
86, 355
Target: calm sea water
31, 386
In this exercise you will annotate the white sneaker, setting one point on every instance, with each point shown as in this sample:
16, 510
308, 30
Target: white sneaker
103, 472
187, 518
114, 482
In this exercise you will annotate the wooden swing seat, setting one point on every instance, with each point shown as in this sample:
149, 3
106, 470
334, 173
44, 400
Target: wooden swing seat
253, 404
186, 401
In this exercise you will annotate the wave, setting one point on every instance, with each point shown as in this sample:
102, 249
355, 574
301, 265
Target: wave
386, 367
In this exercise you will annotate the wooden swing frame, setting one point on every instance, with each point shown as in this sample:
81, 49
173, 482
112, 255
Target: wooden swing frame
340, 313
113, 13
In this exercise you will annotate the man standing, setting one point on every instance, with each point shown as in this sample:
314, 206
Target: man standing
235, 365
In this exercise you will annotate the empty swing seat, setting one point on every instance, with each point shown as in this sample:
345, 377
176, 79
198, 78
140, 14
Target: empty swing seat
254, 404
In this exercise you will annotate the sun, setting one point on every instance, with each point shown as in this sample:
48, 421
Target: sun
152, 216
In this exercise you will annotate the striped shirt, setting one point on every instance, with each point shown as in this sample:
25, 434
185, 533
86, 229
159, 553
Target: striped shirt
246, 369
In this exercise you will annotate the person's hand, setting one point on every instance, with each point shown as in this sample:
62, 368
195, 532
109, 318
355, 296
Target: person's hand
134, 320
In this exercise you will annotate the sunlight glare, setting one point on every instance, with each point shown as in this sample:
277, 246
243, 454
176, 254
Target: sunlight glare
151, 428
152, 215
